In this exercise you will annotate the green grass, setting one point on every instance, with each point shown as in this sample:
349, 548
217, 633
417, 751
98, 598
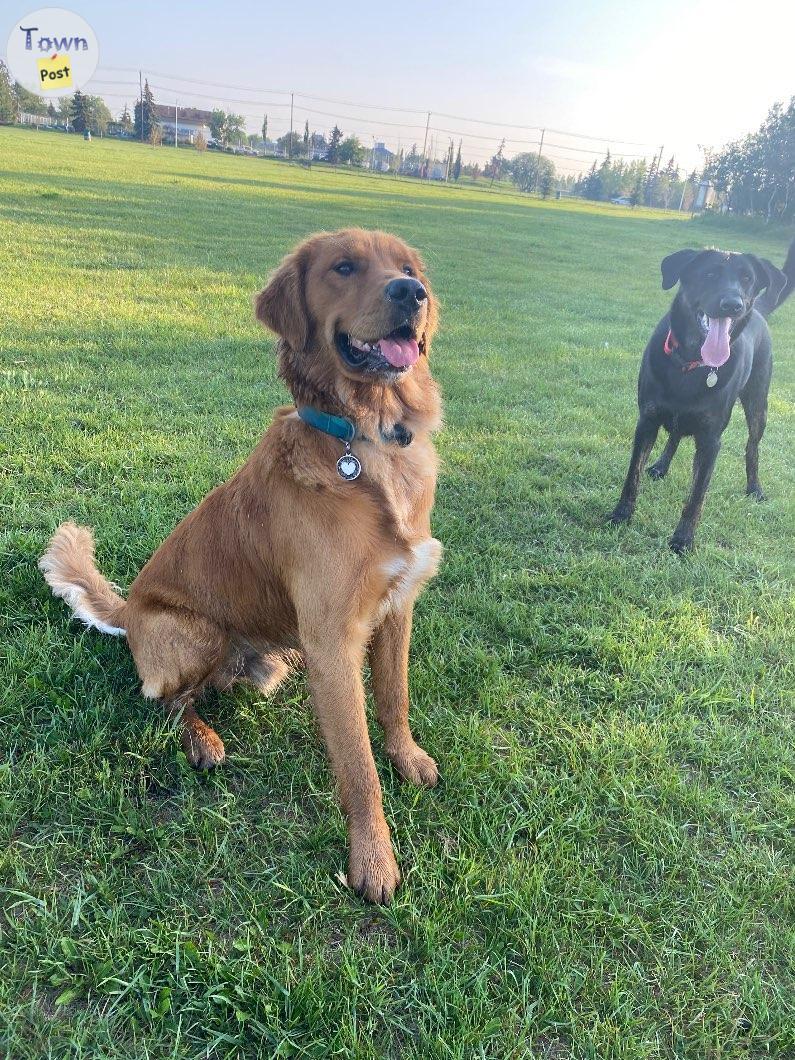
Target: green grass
606, 870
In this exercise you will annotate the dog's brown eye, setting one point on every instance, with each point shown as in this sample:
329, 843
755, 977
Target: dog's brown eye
345, 268
746, 278
408, 270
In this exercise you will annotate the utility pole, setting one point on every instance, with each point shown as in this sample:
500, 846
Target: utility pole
425, 141
684, 189
290, 141
141, 104
538, 163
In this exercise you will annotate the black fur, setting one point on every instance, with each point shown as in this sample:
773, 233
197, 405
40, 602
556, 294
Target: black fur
673, 395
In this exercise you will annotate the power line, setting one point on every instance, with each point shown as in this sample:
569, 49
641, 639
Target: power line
373, 106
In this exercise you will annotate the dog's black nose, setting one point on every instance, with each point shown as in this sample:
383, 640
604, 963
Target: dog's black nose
731, 305
407, 291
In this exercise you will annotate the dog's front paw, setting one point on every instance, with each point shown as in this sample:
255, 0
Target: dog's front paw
622, 513
656, 472
681, 542
372, 870
414, 764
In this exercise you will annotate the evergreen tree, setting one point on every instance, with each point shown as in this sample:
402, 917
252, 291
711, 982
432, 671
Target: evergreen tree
265, 129
8, 107
497, 163
306, 138
125, 120
145, 114
333, 153
51, 111
79, 113
457, 164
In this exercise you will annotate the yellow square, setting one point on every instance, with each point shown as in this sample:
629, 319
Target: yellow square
55, 72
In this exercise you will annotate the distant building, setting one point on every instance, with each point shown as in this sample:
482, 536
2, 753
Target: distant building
188, 122
36, 119
705, 196
381, 158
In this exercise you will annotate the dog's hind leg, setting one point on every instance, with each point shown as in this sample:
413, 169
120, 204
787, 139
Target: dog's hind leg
707, 449
754, 400
659, 469
645, 436
176, 654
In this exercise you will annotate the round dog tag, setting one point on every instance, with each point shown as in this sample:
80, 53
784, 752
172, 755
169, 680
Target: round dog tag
348, 467
712, 378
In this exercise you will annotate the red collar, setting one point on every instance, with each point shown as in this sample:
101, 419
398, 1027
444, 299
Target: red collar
672, 343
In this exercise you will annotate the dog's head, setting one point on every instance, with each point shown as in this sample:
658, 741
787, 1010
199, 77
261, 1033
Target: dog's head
353, 302
717, 291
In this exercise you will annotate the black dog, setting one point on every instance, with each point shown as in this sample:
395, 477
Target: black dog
712, 347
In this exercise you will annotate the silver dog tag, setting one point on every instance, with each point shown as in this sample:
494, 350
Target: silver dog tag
712, 378
348, 466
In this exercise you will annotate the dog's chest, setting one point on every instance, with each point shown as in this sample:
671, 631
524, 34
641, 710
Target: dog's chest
406, 574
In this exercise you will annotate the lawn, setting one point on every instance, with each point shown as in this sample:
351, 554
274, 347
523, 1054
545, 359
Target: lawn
606, 870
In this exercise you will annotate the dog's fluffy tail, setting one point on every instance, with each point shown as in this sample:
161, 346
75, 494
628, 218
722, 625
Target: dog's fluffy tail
71, 572
764, 303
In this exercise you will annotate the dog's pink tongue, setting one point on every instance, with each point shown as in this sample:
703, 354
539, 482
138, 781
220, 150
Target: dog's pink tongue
400, 352
715, 350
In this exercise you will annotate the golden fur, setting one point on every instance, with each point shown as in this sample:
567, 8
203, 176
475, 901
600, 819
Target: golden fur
286, 561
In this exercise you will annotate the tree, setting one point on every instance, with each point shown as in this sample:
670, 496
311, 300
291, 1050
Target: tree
288, 145
234, 128
265, 129
200, 141
145, 114
29, 102
352, 152
125, 120
52, 113
335, 140
306, 138
96, 114
497, 163
457, 163
527, 171
756, 175
217, 119
8, 107
547, 180
79, 115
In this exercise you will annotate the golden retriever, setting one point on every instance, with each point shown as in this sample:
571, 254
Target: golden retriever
290, 561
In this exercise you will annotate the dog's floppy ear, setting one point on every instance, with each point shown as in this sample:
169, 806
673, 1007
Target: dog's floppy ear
281, 304
673, 266
767, 276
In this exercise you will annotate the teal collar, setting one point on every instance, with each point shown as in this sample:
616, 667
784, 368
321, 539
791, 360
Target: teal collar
336, 426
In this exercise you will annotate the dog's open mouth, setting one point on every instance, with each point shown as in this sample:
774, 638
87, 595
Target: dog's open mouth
395, 352
715, 349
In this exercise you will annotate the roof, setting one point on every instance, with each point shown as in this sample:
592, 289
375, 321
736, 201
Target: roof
185, 114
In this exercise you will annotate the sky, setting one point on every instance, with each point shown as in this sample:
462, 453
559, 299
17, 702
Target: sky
633, 76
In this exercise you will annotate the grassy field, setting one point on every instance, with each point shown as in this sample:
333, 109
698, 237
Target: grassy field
606, 870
